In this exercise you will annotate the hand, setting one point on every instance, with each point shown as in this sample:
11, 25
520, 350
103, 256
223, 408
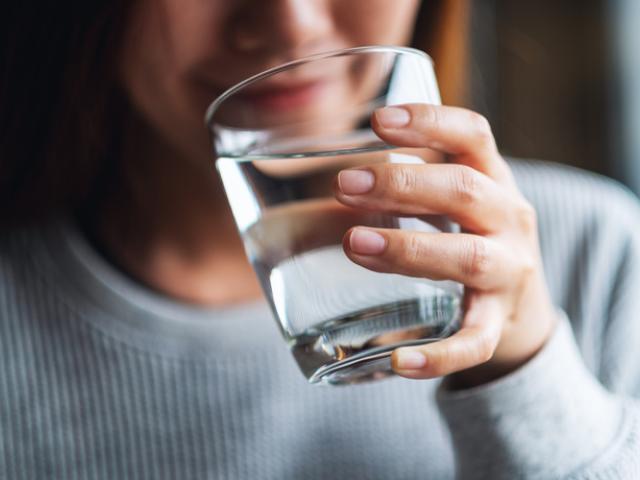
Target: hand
508, 313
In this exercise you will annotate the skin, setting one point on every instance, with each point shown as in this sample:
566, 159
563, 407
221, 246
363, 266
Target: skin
508, 314
179, 54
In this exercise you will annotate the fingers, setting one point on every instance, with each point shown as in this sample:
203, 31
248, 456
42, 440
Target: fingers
477, 262
463, 134
472, 345
468, 197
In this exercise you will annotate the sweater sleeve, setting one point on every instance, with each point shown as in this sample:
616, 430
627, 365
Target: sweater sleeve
550, 419
571, 412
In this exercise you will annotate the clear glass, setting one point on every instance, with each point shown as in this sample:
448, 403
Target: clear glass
280, 139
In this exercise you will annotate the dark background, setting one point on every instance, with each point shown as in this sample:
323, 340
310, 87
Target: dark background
555, 78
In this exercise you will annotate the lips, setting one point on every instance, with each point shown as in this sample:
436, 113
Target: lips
284, 97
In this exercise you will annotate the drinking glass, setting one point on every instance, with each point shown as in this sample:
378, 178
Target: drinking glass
280, 138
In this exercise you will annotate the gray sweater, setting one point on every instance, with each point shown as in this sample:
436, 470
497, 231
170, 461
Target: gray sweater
103, 379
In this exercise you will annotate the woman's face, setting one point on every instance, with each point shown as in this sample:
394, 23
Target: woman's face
178, 55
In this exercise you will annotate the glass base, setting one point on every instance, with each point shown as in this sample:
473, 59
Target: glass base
375, 366
357, 348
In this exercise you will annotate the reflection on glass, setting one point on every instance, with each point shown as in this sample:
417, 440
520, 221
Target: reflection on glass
281, 138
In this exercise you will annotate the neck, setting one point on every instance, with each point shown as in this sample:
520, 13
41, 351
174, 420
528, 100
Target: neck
167, 224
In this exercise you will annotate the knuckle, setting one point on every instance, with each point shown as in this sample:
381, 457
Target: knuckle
526, 218
413, 249
482, 129
476, 262
485, 347
527, 266
465, 185
432, 115
526, 223
401, 180
444, 361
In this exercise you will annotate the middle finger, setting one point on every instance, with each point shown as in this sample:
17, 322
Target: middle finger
467, 196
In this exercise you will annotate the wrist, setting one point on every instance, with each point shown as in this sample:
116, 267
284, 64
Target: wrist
551, 416
518, 345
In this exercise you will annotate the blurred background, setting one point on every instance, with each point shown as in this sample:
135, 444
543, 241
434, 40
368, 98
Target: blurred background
558, 80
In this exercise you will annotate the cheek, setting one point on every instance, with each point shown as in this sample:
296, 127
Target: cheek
376, 22
371, 22
162, 43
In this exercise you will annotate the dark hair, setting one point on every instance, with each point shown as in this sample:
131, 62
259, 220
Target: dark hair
62, 114
59, 103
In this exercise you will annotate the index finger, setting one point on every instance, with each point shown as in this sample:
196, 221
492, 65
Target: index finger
463, 134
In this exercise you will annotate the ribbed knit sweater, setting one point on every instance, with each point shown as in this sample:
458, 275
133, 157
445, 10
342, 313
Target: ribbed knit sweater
101, 378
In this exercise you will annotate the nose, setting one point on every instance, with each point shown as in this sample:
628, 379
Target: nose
281, 26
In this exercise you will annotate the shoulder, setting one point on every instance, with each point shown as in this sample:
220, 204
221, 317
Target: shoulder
26, 280
558, 190
584, 210
589, 229
580, 207
17, 262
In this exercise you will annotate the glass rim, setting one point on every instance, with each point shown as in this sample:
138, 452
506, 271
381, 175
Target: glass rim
213, 106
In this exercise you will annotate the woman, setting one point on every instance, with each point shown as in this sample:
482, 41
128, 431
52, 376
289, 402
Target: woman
134, 342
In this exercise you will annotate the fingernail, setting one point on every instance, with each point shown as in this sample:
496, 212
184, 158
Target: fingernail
393, 117
355, 182
410, 360
366, 242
